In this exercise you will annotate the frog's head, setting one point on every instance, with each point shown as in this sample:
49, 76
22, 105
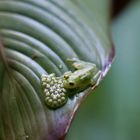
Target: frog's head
69, 80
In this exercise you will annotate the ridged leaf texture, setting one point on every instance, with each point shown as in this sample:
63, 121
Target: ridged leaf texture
37, 38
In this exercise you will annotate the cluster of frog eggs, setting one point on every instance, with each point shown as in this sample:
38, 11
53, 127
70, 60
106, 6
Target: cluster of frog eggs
55, 93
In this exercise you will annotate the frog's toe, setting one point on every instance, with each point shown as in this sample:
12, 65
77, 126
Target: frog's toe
95, 78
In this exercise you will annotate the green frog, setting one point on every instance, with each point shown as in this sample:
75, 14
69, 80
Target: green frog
57, 89
85, 74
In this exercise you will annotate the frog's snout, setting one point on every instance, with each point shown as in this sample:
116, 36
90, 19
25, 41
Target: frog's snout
69, 84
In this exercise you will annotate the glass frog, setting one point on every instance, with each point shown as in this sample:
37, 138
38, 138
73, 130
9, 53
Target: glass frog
85, 74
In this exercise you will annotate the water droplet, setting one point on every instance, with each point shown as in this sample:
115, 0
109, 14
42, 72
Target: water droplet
60, 66
27, 137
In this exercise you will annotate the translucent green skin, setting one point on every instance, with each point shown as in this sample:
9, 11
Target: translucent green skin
86, 74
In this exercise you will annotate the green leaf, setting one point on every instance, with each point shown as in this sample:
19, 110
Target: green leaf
38, 37
112, 113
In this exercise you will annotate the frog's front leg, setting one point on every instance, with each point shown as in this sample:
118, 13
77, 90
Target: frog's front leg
95, 78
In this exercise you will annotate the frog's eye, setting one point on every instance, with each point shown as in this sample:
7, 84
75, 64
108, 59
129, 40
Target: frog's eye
71, 83
66, 77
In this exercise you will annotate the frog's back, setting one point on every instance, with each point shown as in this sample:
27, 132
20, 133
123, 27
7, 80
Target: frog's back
86, 72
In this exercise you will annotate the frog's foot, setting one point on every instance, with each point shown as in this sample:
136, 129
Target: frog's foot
54, 92
79, 64
96, 78
72, 60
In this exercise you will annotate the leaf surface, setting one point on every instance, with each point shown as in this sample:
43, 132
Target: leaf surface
38, 37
